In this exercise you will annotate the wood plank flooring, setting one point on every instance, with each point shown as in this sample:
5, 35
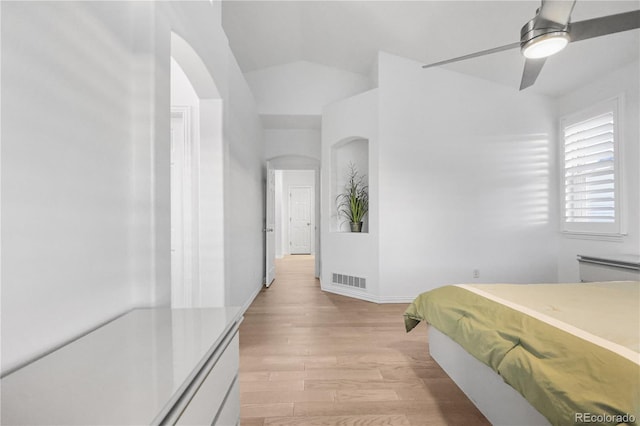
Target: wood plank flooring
313, 358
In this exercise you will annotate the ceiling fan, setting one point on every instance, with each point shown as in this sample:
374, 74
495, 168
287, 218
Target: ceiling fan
550, 31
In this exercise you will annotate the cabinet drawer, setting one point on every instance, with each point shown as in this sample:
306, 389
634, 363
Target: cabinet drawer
230, 412
210, 396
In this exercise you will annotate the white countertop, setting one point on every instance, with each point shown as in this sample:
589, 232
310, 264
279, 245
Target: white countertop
126, 372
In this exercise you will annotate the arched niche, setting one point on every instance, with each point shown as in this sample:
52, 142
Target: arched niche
353, 150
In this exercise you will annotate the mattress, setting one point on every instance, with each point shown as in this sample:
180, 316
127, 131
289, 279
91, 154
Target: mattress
572, 350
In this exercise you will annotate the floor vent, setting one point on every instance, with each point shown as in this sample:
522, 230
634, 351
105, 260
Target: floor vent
349, 280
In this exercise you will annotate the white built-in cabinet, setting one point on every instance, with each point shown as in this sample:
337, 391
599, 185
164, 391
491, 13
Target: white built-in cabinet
149, 366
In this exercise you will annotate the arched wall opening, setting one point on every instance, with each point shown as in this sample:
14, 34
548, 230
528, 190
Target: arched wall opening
197, 184
348, 155
289, 164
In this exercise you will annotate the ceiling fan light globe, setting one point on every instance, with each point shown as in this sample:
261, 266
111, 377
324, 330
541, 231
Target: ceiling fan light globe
545, 45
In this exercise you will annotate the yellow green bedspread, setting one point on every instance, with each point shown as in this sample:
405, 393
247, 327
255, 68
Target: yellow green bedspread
572, 350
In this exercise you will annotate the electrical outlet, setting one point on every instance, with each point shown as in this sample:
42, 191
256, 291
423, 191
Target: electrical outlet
476, 273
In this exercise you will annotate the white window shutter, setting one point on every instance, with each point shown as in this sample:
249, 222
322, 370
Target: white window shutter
589, 171
591, 184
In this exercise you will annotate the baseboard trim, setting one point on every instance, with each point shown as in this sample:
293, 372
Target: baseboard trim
362, 295
349, 293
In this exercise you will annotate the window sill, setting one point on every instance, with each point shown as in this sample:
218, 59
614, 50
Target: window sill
593, 236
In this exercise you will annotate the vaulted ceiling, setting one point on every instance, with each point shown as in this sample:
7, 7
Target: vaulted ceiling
348, 34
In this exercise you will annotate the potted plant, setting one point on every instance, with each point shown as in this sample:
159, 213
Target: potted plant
353, 203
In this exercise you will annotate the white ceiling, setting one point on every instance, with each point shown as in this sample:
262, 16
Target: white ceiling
348, 34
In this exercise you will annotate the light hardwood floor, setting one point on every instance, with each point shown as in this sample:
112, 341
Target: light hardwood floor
313, 358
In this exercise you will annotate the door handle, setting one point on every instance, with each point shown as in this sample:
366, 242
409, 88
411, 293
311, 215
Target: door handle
267, 230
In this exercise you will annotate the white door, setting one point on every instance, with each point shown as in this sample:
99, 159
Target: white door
300, 219
181, 261
270, 224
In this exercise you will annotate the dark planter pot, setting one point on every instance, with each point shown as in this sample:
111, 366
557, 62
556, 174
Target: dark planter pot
356, 227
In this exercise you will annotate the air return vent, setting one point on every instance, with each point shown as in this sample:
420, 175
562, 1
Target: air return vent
348, 280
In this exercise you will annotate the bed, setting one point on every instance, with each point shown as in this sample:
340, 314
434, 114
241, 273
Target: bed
572, 351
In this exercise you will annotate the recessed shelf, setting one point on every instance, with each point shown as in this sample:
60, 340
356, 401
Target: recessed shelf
351, 151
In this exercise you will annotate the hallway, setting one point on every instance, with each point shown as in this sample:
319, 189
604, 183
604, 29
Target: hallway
313, 358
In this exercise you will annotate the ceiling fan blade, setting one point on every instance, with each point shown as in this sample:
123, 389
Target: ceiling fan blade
474, 55
611, 24
558, 11
532, 68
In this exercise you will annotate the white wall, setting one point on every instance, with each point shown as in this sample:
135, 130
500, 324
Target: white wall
302, 88
623, 81
465, 181
292, 142
182, 92
461, 175
347, 253
66, 173
278, 214
244, 193
85, 164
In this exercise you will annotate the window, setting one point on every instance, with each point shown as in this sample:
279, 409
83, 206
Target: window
591, 186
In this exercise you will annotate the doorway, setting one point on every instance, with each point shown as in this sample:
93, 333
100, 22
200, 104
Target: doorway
300, 208
181, 208
197, 190
293, 211
295, 216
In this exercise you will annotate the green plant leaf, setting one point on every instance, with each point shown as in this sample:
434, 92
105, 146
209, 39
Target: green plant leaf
353, 202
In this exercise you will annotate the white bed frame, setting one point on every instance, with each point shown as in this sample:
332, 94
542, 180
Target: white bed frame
499, 402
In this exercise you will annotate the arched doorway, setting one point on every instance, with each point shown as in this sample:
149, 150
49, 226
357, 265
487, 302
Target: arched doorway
283, 164
197, 196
